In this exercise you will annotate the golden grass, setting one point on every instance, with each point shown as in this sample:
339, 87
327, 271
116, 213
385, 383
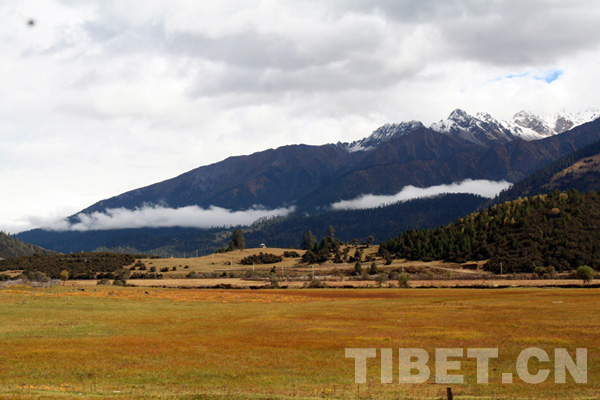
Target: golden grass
218, 262
136, 343
231, 262
583, 166
337, 282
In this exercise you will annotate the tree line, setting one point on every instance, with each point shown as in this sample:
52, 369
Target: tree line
558, 230
77, 265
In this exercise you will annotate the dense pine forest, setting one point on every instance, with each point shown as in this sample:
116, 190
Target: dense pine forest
558, 230
380, 222
79, 265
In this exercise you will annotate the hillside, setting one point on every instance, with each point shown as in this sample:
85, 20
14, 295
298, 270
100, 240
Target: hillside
579, 170
380, 222
11, 247
559, 230
311, 178
284, 232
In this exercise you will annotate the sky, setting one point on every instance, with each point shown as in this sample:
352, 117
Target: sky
98, 97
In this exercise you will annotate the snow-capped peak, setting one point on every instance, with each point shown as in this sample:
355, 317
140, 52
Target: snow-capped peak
482, 129
383, 134
531, 127
526, 119
461, 117
485, 117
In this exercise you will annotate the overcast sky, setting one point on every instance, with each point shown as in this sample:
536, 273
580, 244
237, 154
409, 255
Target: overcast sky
100, 97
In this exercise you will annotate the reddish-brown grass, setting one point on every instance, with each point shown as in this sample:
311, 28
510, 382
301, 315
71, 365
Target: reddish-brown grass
136, 343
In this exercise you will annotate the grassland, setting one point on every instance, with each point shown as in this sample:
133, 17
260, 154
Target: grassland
231, 262
139, 343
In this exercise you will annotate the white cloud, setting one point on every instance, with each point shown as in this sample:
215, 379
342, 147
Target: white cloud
103, 96
162, 217
481, 187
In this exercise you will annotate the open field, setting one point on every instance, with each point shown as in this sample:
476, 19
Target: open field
141, 343
217, 262
341, 282
230, 262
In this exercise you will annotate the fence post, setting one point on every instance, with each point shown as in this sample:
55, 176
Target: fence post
449, 393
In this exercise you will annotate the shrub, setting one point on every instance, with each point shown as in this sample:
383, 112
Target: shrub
374, 270
403, 280
358, 268
316, 284
585, 273
291, 254
37, 276
387, 256
381, 279
261, 258
64, 275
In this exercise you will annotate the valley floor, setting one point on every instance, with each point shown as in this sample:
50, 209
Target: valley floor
340, 282
106, 342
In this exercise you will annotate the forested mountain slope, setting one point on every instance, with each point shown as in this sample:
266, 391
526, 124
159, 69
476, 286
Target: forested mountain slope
580, 170
11, 247
561, 230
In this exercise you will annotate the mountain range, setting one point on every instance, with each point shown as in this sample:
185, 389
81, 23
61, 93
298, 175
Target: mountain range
309, 179
394, 156
483, 129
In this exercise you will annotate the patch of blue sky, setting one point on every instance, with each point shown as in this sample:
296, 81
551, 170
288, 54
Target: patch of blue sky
513, 76
548, 76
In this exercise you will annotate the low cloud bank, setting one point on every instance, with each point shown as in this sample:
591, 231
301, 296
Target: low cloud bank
162, 217
481, 187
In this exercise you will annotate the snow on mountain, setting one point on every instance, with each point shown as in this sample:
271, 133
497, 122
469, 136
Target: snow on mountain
529, 126
483, 129
384, 134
